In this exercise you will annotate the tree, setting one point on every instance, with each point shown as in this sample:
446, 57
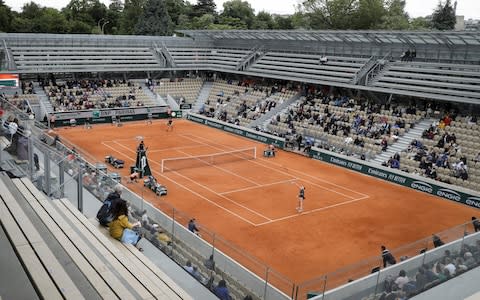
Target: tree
284, 22
114, 15
6, 17
132, 10
369, 14
204, 7
396, 18
239, 9
155, 19
330, 14
263, 20
420, 23
176, 8
443, 17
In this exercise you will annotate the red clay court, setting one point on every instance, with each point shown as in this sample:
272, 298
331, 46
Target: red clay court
252, 202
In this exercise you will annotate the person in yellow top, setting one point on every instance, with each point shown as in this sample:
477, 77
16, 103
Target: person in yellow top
121, 228
164, 238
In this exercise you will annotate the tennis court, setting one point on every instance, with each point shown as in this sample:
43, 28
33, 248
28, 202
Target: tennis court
252, 202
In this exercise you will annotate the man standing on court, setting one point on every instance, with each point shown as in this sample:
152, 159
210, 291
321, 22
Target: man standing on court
301, 197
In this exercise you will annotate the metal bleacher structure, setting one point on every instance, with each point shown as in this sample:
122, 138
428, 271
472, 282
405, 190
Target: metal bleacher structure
446, 68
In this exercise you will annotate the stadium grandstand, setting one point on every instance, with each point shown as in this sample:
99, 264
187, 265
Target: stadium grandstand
395, 105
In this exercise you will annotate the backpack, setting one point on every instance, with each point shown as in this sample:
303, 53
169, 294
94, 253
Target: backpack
104, 215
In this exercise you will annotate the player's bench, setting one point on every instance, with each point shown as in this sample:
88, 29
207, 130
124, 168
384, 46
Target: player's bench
139, 270
46, 273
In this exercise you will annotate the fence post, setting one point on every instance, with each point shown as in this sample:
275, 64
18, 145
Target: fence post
324, 287
173, 223
30, 157
80, 188
46, 172
61, 177
266, 285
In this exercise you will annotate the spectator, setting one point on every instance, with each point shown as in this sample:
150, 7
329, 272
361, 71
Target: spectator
437, 242
145, 221
164, 238
210, 263
402, 279
121, 228
192, 226
105, 213
387, 257
188, 267
196, 274
450, 266
421, 279
476, 224
221, 291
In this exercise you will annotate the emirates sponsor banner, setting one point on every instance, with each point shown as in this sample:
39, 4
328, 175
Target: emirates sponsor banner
404, 179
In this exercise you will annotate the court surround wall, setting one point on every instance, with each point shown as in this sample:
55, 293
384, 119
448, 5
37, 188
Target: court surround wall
432, 187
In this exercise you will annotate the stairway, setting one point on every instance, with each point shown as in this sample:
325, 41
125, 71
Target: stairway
156, 98
265, 119
405, 140
46, 106
202, 96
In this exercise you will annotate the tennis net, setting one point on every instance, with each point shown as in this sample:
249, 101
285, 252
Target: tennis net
188, 162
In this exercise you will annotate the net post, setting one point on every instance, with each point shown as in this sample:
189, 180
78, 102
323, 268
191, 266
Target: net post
254, 152
162, 166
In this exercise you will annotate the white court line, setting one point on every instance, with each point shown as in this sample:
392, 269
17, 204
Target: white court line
297, 171
311, 211
203, 186
256, 187
303, 180
184, 187
220, 168
175, 148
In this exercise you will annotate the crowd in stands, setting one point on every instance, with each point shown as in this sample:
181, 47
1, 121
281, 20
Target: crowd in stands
89, 94
443, 154
358, 122
240, 102
453, 263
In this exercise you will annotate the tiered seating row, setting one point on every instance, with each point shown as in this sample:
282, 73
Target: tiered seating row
103, 97
228, 98
207, 57
308, 66
451, 80
111, 269
340, 142
188, 89
84, 58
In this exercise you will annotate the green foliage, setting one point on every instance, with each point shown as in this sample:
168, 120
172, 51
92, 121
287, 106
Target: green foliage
443, 17
6, 17
420, 23
240, 10
369, 14
263, 20
396, 18
132, 11
204, 7
154, 19
163, 17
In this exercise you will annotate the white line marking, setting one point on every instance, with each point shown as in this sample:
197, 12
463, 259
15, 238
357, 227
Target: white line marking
222, 169
256, 187
312, 211
203, 186
297, 171
282, 172
184, 187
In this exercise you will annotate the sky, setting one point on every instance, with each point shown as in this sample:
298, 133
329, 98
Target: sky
415, 8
